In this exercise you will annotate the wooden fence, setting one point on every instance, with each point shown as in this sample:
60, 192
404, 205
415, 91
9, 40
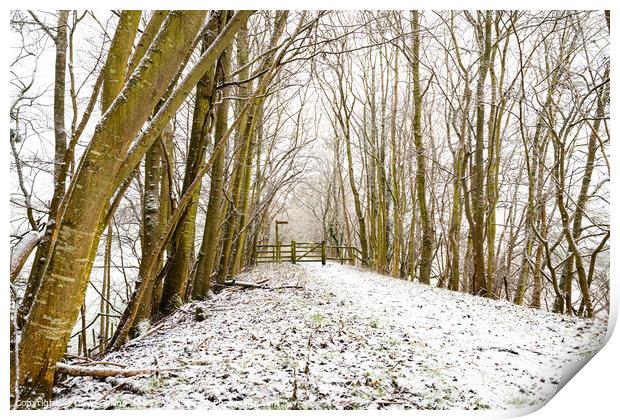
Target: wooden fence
296, 252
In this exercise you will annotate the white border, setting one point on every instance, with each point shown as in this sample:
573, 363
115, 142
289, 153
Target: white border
593, 391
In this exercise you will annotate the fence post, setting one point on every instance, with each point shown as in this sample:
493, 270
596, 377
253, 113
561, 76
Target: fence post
293, 251
323, 253
278, 254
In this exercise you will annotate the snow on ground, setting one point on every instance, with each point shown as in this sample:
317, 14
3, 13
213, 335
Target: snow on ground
346, 339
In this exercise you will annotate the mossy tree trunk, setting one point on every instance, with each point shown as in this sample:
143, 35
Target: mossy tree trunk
60, 139
58, 300
211, 233
241, 150
478, 192
396, 180
152, 216
426, 254
182, 242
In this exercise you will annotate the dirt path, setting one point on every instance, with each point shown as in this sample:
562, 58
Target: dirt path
345, 339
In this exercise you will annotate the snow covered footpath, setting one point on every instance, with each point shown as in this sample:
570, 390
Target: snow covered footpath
346, 339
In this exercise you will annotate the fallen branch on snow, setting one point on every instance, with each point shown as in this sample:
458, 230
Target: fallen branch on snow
100, 372
240, 284
258, 285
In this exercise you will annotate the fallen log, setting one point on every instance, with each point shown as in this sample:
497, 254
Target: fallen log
240, 284
101, 372
257, 285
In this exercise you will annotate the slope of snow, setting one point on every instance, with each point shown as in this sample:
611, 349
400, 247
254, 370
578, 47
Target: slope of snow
347, 338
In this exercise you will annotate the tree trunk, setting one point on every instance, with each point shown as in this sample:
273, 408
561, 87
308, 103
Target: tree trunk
211, 234
241, 150
426, 254
151, 218
60, 140
182, 243
480, 283
396, 193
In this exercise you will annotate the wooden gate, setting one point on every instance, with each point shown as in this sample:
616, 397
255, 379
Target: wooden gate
296, 252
